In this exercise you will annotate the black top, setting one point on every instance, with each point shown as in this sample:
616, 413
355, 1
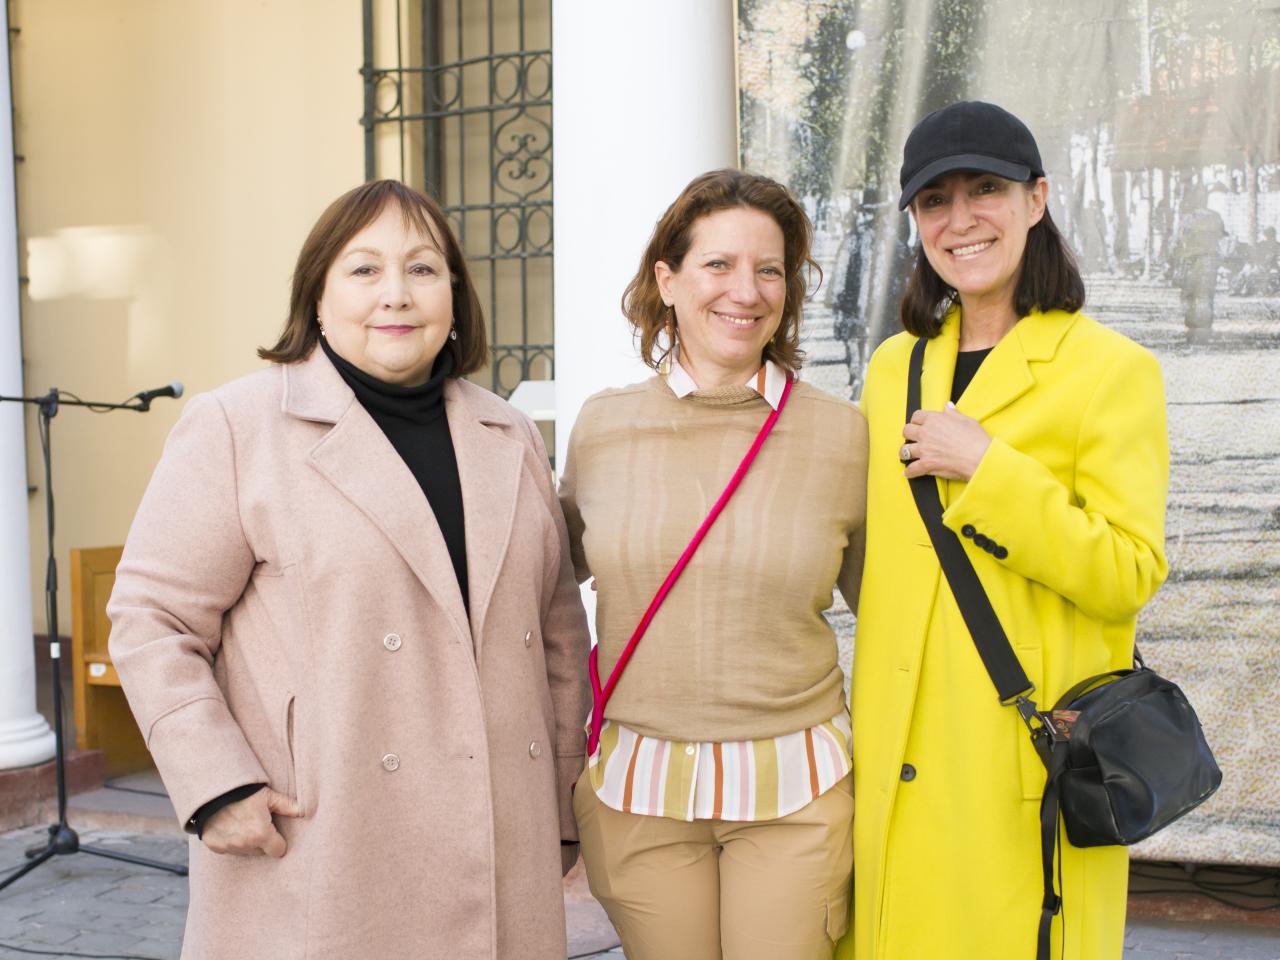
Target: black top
413, 420
967, 364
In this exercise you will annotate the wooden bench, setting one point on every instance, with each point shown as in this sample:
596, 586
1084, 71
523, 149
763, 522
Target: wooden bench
103, 719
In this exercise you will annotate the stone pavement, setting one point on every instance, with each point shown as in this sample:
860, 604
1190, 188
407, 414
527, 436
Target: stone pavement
1167, 940
81, 906
86, 906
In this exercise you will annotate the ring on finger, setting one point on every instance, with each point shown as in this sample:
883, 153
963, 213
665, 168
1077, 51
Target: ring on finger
907, 453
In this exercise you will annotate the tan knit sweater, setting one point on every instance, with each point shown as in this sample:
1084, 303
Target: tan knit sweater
740, 649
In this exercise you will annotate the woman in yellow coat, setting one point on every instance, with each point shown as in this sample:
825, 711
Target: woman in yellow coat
1046, 432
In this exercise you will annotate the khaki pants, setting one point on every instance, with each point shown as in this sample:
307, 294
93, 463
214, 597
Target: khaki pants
711, 889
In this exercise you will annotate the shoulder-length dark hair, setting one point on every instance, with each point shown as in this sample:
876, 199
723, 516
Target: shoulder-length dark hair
723, 190
1048, 279
344, 218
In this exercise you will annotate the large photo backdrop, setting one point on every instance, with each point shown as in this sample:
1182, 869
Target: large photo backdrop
1159, 126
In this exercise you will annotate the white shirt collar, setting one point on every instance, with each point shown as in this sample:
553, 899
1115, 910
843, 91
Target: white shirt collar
768, 381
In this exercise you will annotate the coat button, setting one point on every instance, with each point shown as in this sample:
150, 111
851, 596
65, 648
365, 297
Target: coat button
990, 546
981, 540
528, 638
1000, 552
535, 750
689, 749
968, 530
908, 772
390, 762
392, 642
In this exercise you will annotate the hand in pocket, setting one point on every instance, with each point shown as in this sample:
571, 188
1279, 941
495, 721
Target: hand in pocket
245, 828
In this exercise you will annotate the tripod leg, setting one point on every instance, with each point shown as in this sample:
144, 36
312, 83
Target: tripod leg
179, 868
26, 868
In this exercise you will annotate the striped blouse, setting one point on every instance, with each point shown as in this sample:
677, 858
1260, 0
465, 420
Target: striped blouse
738, 780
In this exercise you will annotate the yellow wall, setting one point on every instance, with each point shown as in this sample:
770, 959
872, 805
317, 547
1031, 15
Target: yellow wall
206, 137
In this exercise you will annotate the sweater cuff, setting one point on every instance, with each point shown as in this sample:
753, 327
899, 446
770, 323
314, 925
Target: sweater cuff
201, 816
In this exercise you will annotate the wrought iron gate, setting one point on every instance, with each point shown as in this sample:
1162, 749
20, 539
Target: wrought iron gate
463, 111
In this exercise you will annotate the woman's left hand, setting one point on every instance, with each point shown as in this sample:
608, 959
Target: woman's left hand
943, 443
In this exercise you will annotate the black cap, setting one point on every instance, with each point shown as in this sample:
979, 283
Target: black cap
972, 136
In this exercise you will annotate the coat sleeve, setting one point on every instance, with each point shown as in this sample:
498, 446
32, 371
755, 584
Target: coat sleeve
186, 562
566, 642
1099, 543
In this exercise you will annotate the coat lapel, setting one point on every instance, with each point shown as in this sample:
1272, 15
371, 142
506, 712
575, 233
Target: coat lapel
1003, 377
1006, 374
489, 470
356, 457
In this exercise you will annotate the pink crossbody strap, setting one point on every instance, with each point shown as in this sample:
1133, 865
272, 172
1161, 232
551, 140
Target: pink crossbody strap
600, 697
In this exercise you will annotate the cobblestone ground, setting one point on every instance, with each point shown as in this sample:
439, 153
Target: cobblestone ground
80, 905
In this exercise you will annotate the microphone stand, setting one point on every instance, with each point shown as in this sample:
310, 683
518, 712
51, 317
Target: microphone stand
62, 839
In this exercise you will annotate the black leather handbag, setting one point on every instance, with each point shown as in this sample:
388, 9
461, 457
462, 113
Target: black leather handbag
1124, 751
1127, 756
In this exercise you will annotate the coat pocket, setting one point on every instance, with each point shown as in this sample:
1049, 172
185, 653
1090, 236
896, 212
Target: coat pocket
291, 785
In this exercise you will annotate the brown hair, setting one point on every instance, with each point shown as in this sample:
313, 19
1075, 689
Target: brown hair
722, 190
1048, 279
342, 220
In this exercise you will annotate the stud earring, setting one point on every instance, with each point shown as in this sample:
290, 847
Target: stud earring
453, 333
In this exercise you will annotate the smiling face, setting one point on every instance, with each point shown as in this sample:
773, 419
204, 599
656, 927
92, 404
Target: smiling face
973, 227
728, 294
387, 304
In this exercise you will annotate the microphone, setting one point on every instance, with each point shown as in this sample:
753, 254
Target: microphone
168, 390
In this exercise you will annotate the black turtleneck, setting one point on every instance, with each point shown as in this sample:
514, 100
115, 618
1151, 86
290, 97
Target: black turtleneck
413, 420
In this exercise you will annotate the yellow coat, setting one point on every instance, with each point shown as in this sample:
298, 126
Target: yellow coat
946, 853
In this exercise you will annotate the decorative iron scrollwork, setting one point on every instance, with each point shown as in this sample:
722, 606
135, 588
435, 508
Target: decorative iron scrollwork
522, 145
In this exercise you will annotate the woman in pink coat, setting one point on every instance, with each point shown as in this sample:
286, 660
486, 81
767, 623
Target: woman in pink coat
347, 623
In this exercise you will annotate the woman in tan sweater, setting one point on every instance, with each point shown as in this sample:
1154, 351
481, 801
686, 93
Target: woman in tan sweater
716, 813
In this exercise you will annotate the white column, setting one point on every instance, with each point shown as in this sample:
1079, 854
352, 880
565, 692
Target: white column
25, 738
645, 99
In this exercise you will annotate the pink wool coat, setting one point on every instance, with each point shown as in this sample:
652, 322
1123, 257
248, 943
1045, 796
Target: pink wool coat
286, 612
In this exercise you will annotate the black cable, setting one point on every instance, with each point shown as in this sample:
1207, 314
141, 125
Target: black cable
108, 785
94, 407
64, 953
1230, 892
1260, 888
44, 448
579, 956
49, 615
1252, 874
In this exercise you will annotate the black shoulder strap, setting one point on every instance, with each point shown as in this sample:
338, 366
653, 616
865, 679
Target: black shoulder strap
988, 635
